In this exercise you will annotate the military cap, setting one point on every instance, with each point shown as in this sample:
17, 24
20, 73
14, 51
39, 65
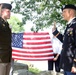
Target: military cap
6, 5
69, 6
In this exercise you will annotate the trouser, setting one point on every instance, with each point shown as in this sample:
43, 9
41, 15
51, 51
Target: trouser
51, 62
12, 67
69, 73
4, 68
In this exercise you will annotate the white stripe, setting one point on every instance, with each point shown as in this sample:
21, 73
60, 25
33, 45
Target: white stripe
32, 50
33, 58
32, 54
48, 40
34, 36
39, 45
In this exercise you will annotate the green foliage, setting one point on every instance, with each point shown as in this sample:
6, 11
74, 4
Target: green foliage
68, 1
16, 25
34, 70
43, 13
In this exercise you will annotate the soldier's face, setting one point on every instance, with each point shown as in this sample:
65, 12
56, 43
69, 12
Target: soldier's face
6, 13
66, 14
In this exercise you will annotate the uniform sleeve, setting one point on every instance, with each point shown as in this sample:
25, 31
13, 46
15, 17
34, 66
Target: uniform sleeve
74, 63
58, 35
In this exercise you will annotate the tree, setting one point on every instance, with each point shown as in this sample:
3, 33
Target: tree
16, 24
42, 12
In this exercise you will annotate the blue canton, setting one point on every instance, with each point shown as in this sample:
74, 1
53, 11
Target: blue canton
17, 40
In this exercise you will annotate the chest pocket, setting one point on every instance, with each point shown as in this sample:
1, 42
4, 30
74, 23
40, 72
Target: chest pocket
4, 27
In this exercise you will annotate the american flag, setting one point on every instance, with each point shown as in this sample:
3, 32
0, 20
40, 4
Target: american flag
34, 46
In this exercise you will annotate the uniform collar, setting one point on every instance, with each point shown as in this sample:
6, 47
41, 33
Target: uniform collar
1, 19
70, 20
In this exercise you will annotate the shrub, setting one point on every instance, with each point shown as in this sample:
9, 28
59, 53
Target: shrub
34, 70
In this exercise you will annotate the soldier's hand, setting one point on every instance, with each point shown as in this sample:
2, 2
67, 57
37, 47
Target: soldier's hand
73, 70
55, 59
54, 27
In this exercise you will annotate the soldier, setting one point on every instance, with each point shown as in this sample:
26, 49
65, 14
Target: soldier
68, 53
5, 39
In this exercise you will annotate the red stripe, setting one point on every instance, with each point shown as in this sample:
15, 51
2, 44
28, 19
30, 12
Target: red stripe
36, 43
28, 56
36, 38
42, 47
38, 52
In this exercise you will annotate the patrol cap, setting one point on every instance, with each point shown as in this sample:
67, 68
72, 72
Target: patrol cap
6, 6
69, 6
